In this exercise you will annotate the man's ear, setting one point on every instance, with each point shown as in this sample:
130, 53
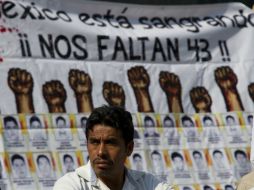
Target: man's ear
129, 148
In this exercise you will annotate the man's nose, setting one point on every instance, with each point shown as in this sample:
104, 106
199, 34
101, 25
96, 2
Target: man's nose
102, 150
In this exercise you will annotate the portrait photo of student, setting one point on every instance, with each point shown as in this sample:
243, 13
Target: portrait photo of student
44, 166
81, 126
220, 160
168, 122
242, 163
62, 128
19, 166
36, 128
150, 127
178, 162
12, 129
157, 160
68, 162
188, 126
232, 125
199, 160
138, 161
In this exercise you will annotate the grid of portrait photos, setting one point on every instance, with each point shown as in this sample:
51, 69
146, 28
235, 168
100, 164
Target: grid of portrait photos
203, 151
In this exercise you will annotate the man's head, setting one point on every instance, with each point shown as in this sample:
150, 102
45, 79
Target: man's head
198, 159
60, 122
207, 187
168, 122
11, 128
177, 158
230, 120
149, 125
19, 165
207, 121
35, 122
217, 155
250, 119
187, 121
137, 160
229, 187
44, 165
68, 163
83, 121
240, 157
109, 133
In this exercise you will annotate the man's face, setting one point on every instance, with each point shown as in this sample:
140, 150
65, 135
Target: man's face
208, 123
241, 159
230, 121
35, 125
168, 123
107, 151
69, 165
178, 162
188, 123
19, 167
61, 123
44, 166
218, 157
138, 163
11, 131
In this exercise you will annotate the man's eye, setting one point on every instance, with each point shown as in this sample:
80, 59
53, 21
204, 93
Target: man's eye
94, 142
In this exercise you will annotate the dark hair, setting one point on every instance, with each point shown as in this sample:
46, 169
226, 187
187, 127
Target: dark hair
60, 118
155, 152
112, 116
148, 118
207, 118
34, 118
196, 152
240, 152
176, 154
17, 156
228, 186
10, 118
217, 151
136, 155
67, 156
206, 186
42, 156
187, 118
83, 119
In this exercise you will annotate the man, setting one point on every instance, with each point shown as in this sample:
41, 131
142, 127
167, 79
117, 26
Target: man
149, 126
243, 165
210, 129
189, 126
219, 160
157, 163
62, 129
109, 133
199, 160
37, 132
44, 166
178, 162
11, 132
137, 162
232, 126
19, 166
68, 163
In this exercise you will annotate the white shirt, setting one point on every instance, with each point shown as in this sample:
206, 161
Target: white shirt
84, 178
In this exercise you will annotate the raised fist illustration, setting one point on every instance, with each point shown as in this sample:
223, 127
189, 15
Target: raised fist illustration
140, 82
80, 82
55, 96
21, 83
200, 99
225, 77
227, 81
251, 90
113, 94
170, 83
138, 77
